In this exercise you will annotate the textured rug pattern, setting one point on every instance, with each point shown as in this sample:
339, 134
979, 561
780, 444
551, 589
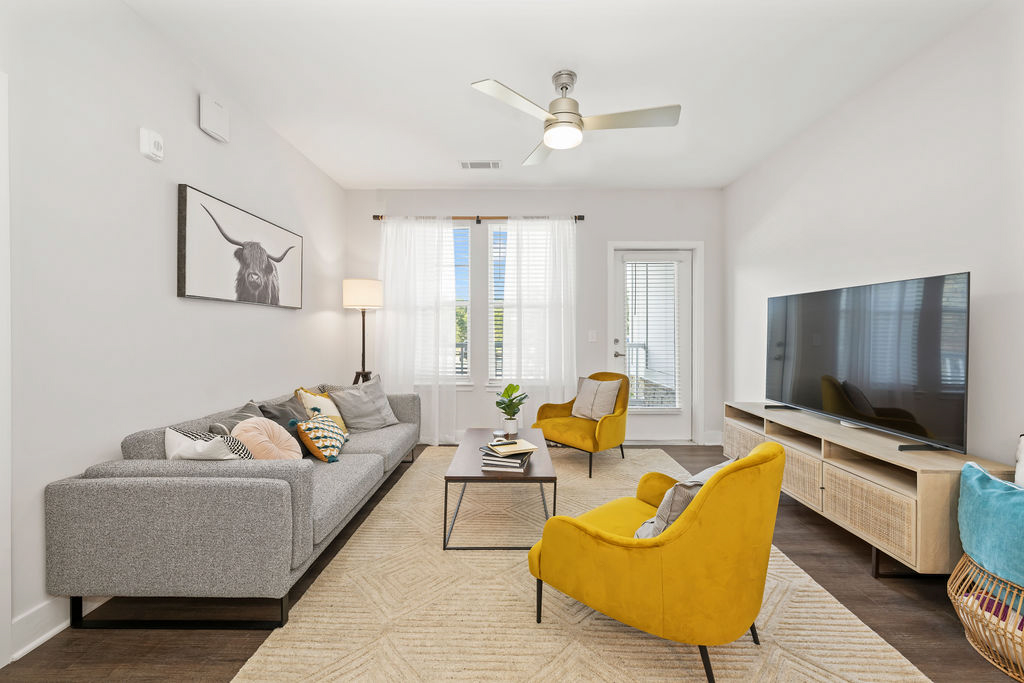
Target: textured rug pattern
393, 606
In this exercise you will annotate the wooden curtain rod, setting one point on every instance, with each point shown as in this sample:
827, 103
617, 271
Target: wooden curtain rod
379, 217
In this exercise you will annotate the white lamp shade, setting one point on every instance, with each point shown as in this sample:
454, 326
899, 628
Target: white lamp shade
362, 294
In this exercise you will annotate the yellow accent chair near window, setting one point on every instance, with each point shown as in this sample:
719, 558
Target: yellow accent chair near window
701, 581
559, 425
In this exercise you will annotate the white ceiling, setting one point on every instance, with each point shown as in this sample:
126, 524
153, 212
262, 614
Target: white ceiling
376, 92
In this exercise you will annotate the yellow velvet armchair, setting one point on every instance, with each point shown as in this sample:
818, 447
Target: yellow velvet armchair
701, 581
558, 424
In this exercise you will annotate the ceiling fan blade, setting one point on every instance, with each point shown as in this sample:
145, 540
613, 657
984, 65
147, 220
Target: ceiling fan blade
638, 118
510, 97
538, 155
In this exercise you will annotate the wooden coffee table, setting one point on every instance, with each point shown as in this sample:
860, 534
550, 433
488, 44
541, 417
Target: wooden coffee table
465, 468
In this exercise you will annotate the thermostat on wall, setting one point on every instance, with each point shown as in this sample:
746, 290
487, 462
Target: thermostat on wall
151, 144
214, 119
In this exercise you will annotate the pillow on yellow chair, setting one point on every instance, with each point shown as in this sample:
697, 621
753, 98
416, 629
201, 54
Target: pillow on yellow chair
595, 399
672, 505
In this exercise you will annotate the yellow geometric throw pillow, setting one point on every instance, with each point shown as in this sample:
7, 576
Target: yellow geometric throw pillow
322, 436
327, 408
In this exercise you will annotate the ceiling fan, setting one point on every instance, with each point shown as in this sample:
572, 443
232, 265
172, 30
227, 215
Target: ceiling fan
563, 125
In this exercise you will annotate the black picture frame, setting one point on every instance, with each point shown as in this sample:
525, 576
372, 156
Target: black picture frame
226, 253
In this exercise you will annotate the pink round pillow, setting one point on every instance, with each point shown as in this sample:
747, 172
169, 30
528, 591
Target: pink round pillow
267, 440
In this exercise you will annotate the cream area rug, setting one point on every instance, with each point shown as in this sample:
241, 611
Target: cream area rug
394, 606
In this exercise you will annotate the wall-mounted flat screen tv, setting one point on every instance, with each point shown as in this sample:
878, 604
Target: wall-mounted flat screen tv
889, 356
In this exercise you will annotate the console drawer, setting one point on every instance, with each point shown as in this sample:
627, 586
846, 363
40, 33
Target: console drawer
882, 517
802, 478
738, 441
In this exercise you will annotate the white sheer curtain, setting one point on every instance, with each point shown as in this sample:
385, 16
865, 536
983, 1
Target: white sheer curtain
539, 317
416, 326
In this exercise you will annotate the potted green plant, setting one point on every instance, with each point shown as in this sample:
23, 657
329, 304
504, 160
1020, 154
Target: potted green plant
509, 403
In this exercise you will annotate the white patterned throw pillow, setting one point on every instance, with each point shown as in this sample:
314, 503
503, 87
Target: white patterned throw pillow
184, 444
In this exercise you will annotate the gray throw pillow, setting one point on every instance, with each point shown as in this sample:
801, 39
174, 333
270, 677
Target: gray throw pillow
283, 413
224, 426
595, 399
364, 406
672, 505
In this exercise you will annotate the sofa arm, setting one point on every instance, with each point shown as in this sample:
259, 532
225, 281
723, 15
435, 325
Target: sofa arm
298, 474
406, 408
168, 536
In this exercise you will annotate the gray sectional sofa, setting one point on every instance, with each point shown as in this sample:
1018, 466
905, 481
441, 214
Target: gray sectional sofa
148, 526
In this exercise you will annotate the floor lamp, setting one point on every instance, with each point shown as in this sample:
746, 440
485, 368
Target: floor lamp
364, 295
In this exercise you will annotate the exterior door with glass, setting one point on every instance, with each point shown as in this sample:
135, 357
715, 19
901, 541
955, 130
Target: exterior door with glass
651, 341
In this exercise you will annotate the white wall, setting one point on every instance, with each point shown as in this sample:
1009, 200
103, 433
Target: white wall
617, 215
921, 174
102, 347
5, 380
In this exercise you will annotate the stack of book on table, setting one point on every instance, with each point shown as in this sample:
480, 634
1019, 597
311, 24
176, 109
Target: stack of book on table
506, 455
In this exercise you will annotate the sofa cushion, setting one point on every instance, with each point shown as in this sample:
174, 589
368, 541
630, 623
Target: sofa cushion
224, 427
340, 486
148, 444
391, 443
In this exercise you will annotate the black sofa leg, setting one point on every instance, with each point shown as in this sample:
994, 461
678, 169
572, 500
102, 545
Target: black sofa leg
540, 594
753, 634
622, 451
590, 470
76, 611
707, 663
78, 620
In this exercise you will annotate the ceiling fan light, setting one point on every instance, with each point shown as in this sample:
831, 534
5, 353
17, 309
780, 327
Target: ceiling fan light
562, 135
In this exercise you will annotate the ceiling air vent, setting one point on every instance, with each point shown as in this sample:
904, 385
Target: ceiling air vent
474, 165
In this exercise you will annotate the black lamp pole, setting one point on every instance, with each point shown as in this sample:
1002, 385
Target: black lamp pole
362, 375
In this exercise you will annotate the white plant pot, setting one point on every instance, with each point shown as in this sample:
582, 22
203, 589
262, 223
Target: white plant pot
511, 426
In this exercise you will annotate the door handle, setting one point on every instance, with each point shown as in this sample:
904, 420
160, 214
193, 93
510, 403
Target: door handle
618, 355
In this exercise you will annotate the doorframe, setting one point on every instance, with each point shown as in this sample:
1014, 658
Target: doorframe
697, 350
6, 551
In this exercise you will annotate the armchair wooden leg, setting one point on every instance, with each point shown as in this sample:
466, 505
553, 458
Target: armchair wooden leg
622, 451
540, 594
590, 470
753, 634
707, 663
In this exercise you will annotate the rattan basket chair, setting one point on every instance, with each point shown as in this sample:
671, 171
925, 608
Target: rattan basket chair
992, 612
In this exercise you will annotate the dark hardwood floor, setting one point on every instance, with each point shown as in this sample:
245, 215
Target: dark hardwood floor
914, 615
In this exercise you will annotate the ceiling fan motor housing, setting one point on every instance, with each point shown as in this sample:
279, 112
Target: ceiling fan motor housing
565, 110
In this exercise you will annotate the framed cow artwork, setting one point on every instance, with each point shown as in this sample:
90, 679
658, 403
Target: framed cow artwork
228, 254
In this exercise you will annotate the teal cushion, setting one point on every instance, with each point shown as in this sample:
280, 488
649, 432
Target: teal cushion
991, 516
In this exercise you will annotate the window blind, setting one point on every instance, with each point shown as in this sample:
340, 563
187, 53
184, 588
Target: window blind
652, 346
518, 301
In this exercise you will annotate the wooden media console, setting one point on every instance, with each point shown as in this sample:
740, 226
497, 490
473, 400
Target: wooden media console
904, 503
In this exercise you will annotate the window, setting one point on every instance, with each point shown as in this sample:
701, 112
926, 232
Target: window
496, 302
460, 243
651, 333
531, 301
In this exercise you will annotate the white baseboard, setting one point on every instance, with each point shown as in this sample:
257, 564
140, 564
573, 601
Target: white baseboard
712, 438
44, 621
